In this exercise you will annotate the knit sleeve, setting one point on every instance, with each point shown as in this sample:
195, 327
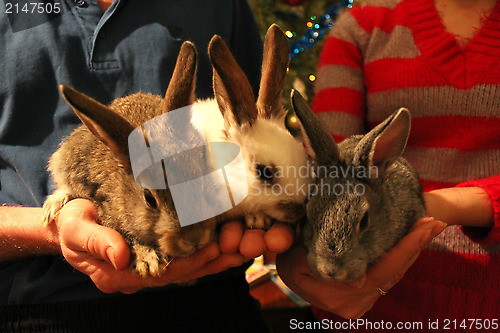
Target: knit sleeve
340, 91
491, 186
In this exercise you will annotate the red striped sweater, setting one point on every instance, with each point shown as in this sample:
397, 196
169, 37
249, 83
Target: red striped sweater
383, 55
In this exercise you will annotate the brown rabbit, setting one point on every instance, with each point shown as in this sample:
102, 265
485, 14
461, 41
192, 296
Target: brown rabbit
94, 163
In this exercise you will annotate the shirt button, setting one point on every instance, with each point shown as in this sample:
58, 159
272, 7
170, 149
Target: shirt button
81, 3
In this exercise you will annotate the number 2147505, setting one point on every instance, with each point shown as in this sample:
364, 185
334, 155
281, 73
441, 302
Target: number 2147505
33, 8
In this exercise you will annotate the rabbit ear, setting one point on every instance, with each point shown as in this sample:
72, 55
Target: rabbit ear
322, 143
274, 67
181, 89
231, 87
106, 125
384, 144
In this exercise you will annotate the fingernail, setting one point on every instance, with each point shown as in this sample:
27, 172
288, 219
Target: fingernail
438, 228
432, 232
428, 219
110, 253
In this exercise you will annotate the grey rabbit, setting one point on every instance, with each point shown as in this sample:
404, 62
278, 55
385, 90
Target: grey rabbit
368, 196
94, 163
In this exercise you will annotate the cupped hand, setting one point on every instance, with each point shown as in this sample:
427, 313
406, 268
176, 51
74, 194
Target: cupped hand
103, 254
353, 299
250, 243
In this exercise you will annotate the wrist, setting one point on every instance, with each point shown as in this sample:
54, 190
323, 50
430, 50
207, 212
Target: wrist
439, 206
23, 234
52, 238
39, 238
466, 206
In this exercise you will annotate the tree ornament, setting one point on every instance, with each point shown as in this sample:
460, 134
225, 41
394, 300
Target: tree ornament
317, 29
292, 123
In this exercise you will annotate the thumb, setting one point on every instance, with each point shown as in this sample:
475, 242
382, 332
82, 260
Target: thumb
80, 232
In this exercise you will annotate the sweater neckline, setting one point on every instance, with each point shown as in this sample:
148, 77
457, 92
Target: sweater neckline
459, 66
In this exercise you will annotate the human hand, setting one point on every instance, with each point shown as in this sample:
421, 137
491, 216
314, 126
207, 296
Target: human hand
466, 206
103, 254
351, 300
250, 243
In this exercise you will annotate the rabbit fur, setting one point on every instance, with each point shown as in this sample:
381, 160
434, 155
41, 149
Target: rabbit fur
357, 215
276, 191
94, 163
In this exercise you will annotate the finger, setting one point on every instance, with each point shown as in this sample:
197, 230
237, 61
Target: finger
330, 296
130, 291
230, 237
182, 267
109, 280
279, 237
78, 208
80, 232
293, 270
101, 242
252, 244
220, 264
103, 274
422, 221
391, 268
293, 262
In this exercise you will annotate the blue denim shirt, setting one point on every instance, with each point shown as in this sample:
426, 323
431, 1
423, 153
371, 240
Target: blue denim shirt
131, 47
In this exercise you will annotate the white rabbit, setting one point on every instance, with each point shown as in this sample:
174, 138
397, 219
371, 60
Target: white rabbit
277, 168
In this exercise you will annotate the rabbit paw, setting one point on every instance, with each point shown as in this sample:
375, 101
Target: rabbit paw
53, 205
258, 221
147, 261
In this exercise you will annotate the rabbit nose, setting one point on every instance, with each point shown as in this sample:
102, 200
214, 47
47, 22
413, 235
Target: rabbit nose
325, 271
328, 271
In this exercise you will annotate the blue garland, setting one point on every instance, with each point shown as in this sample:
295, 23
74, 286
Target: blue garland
317, 30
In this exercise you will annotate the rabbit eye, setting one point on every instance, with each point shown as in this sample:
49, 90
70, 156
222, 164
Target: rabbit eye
150, 199
265, 173
364, 222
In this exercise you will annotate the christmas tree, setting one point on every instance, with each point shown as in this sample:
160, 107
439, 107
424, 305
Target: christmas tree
306, 23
